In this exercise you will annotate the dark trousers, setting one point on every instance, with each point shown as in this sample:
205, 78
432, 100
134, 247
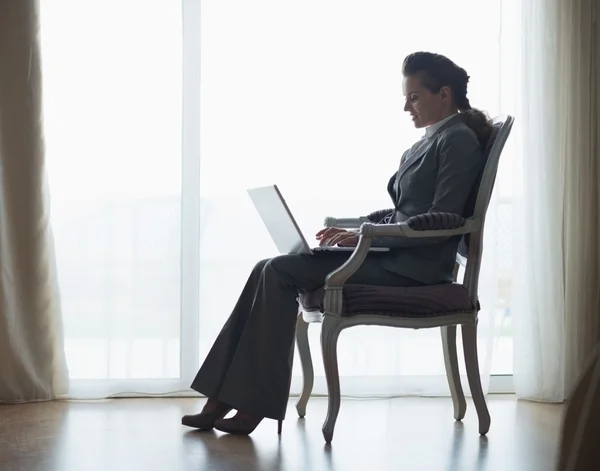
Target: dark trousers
249, 367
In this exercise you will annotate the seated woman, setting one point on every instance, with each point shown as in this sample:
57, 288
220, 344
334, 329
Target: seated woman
250, 364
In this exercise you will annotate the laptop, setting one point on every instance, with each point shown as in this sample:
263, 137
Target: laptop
282, 226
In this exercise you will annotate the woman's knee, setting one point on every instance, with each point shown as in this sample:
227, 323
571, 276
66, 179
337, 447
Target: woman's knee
273, 264
289, 266
261, 265
281, 263
292, 267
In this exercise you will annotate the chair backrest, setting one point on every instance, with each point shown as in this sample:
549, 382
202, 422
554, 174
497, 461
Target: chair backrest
470, 247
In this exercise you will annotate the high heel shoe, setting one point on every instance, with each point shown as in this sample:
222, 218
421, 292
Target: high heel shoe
242, 425
206, 420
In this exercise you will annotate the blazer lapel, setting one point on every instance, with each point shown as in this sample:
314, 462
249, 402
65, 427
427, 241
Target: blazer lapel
390, 188
421, 147
415, 154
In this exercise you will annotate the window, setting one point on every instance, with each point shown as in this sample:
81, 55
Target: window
303, 94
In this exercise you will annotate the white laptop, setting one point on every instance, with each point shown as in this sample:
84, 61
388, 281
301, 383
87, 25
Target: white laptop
282, 226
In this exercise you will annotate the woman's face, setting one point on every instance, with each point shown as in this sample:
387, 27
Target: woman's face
425, 108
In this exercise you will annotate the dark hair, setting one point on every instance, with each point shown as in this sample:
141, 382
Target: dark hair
438, 71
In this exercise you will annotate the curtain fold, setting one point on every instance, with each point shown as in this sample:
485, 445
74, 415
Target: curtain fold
580, 100
32, 361
557, 288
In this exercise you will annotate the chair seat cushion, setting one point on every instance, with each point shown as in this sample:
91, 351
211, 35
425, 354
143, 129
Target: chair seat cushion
421, 301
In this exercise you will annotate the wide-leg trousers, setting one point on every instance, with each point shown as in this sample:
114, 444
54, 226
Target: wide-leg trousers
249, 366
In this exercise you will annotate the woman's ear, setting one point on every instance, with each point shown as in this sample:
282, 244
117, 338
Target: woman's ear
445, 93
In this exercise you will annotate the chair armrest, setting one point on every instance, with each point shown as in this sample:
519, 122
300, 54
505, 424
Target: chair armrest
345, 223
423, 225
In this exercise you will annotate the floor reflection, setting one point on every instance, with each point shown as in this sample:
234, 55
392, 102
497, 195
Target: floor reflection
381, 435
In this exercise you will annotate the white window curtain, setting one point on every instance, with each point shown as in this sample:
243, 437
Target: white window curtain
152, 253
556, 303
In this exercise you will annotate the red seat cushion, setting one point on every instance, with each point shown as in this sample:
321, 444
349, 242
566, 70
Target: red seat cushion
421, 301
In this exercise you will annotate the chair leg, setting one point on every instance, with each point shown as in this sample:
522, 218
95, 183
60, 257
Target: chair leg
452, 371
308, 374
329, 335
469, 337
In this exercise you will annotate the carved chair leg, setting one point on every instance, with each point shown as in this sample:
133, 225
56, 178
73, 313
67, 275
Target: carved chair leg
329, 336
469, 337
308, 374
453, 372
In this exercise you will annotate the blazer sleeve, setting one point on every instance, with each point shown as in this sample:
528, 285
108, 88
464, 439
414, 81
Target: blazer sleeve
378, 216
460, 161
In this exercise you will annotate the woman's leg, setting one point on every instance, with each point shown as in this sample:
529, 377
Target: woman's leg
209, 379
258, 379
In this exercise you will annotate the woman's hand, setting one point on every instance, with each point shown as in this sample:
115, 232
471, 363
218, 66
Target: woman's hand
332, 236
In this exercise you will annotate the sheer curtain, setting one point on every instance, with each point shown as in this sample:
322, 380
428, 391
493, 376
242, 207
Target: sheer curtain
556, 305
154, 243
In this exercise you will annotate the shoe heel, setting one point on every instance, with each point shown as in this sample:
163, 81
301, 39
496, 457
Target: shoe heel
279, 425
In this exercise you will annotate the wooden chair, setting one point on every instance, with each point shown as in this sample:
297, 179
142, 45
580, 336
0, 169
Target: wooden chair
339, 306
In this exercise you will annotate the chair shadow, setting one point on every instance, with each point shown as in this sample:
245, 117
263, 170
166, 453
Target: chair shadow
456, 452
457, 446
225, 452
327, 449
482, 456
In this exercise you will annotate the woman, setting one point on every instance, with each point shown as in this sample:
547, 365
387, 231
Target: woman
249, 366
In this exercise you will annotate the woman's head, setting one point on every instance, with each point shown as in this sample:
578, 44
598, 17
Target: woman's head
435, 88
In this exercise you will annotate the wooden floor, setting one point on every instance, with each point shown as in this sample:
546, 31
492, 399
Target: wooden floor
374, 435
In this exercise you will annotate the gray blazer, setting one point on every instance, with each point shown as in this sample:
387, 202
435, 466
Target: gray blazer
437, 174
